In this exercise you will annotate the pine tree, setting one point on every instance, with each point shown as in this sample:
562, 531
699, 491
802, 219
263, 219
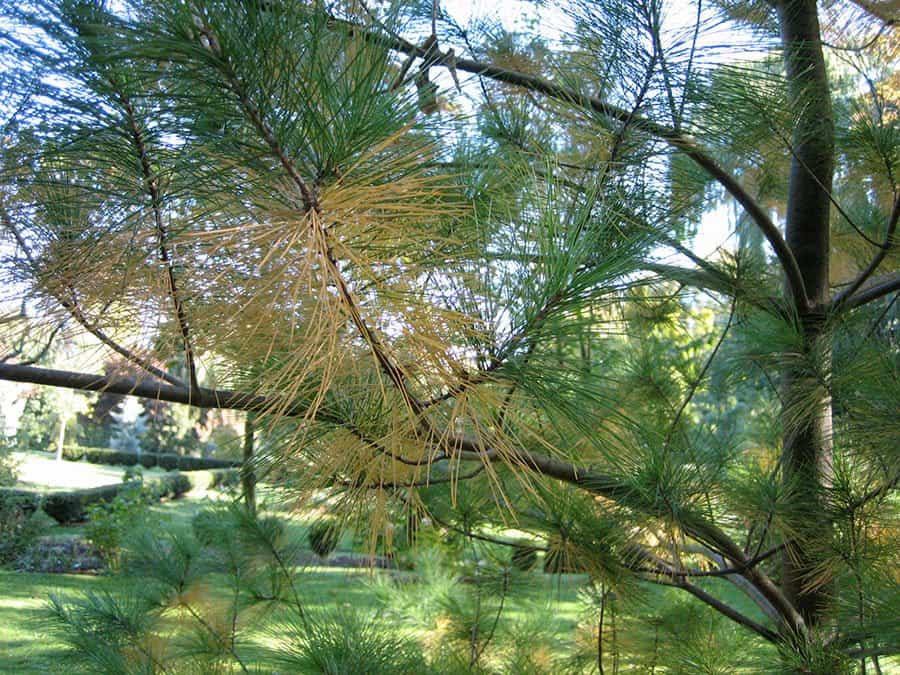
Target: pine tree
468, 316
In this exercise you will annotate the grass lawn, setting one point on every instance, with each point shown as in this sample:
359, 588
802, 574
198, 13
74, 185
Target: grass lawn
23, 647
26, 647
40, 470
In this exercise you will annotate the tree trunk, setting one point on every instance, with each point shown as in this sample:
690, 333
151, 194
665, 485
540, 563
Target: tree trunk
807, 449
61, 438
248, 476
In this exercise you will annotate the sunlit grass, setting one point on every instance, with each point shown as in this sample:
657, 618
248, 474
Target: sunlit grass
39, 470
23, 646
26, 647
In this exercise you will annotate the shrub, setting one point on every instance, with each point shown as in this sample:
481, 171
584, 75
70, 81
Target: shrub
108, 522
323, 536
20, 526
146, 459
224, 478
74, 453
38, 423
214, 478
133, 473
106, 456
30, 500
176, 484
207, 525
70, 507
348, 641
8, 468
187, 463
167, 461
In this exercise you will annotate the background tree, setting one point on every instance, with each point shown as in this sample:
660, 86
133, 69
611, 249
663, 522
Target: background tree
38, 423
97, 426
470, 317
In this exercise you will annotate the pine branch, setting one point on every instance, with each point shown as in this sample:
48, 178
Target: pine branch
150, 389
727, 610
453, 445
846, 295
216, 636
890, 285
874, 493
696, 383
41, 353
669, 135
425, 482
151, 183
71, 305
312, 211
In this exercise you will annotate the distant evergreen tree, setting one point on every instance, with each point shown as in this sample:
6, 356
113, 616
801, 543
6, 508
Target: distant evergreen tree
38, 424
97, 427
160, 429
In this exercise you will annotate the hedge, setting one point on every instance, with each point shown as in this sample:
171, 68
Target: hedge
149, 460
69, 506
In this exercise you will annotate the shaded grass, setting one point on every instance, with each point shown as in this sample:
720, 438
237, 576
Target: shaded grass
26, 647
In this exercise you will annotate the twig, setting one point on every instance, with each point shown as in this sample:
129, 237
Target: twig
696, 383
218, 638
151, 182
726, 610
874, 292
870, 269
503, 591
71, 305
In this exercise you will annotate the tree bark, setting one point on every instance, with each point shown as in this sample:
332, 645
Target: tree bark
248, 475
807, 448
61, 437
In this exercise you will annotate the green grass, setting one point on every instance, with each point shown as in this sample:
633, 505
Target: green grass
27, 647
41, 471
23, 647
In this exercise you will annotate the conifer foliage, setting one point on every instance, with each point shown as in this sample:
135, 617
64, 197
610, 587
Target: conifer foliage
464, 310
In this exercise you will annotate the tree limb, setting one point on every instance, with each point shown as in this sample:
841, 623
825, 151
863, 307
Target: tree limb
728, 611
151, 182
847, 294
43, 351
595, 483
875, 292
